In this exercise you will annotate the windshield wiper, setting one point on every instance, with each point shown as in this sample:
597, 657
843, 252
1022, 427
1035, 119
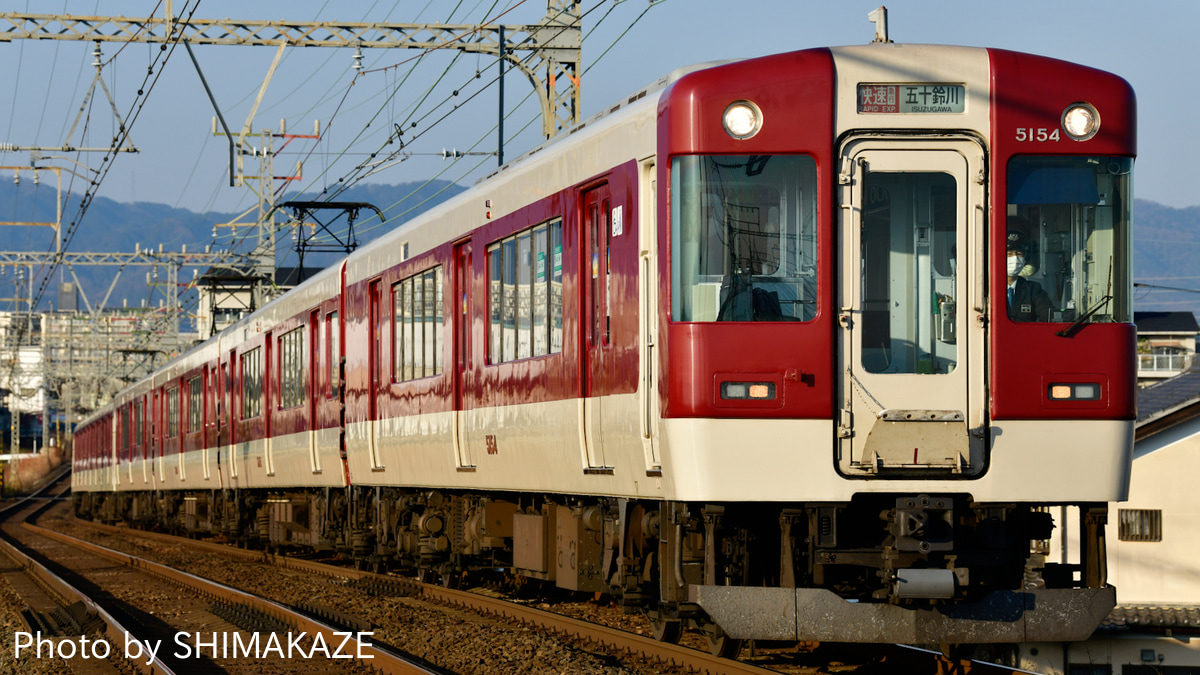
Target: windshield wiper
1066, 332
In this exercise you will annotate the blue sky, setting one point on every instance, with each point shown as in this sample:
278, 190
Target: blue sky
628, 45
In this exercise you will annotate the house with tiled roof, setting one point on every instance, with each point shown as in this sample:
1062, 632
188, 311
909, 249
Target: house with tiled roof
1166, 344
1153, 550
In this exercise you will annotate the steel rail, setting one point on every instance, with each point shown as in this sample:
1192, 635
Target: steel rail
372, 657
610, 638
113, 630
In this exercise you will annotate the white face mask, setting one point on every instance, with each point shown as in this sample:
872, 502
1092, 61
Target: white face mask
1016, 262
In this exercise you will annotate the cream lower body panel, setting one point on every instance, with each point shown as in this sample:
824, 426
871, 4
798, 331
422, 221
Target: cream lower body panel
293, 461
536, 447
135, 476
793, 460
305, 459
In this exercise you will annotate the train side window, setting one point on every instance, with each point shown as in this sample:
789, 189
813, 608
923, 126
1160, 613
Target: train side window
494, 301
172, 412
541, 336
508, 300
525, 294
438, 318
744, 233
556, 287
139, 425
418, 325
291, 368
1071, 217
251, 383
428, 314
195, 393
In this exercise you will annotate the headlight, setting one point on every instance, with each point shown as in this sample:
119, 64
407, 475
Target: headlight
742, 119
1081, 121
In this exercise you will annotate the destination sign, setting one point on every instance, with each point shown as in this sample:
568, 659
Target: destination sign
911, 98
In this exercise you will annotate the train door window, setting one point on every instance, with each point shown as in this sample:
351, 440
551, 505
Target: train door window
1071, 220
195, 394
252, 383
903, 291
172, 412
332, 354
291, 368
595, 272
541, 336
744, 238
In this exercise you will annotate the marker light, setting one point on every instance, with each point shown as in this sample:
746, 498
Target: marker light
742, 119
747, 390
1075, 392
1081, 121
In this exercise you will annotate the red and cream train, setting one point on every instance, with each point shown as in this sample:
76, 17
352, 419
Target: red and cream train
736, 350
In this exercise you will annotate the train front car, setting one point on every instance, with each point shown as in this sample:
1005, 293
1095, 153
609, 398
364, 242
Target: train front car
865, 439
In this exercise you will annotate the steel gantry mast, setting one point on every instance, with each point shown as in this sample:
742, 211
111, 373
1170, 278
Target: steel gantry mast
548, 53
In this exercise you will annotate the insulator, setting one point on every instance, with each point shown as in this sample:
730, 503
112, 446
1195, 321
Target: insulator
358, 56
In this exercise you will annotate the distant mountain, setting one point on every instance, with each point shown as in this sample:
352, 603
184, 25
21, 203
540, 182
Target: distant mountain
110, 226
1166, 247
1166, 252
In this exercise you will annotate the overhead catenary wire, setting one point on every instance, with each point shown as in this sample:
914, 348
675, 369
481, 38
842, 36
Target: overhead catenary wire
324, 136
355, 174
349, 180
150, 79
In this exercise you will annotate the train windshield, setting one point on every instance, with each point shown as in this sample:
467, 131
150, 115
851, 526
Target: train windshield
743, 232
1069, 239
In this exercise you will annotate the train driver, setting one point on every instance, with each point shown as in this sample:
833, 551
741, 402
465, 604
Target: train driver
1027, 301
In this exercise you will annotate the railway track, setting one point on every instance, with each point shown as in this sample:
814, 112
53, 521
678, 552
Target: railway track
95, 610
672, 658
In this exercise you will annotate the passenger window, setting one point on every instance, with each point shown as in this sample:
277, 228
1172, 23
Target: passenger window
743, 230
525, 298
1069, 224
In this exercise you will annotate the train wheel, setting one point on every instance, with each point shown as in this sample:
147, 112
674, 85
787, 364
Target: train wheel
452, 579
426, 575
667, 630
722, 646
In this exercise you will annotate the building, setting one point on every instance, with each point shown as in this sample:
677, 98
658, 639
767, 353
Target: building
1166, 344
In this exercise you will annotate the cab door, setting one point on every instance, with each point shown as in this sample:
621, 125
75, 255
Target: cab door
913, 391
